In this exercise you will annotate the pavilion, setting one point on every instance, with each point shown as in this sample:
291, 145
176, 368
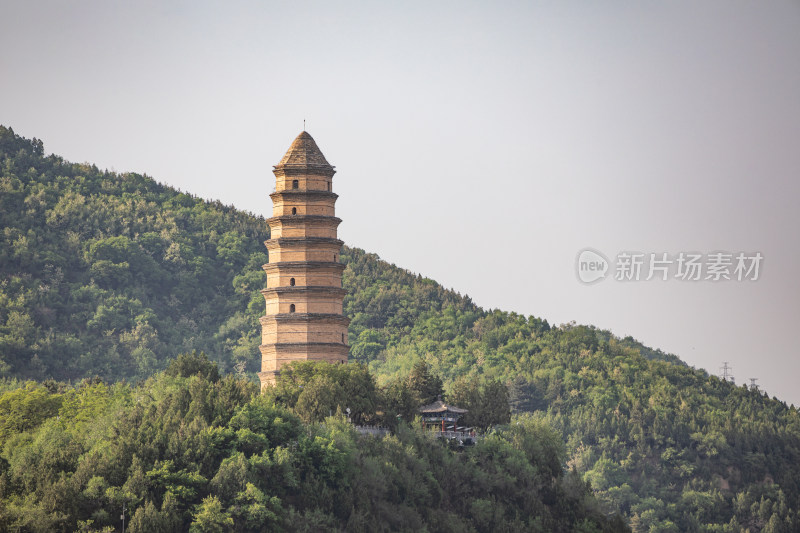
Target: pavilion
441, 415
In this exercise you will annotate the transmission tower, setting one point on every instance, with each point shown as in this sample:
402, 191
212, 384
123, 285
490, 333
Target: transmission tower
726, 372
753, 385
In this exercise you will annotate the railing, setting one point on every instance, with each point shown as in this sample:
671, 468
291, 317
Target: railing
461, 435
464, 437
377, 431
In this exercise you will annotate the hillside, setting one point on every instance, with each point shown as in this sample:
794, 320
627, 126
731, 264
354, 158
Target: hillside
114, 275
188, 450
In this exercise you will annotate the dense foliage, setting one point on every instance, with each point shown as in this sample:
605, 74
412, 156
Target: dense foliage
113, 274
110, 274
670, 447
188, 450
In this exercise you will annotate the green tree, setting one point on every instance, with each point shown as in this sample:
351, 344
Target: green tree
485, 400
194, 363
25, 408
319, 398
148, 519
255, 511
426, 385
210, 517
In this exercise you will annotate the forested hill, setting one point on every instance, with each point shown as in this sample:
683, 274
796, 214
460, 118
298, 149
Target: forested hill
113, 275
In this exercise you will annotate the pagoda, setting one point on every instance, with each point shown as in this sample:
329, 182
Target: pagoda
303, 320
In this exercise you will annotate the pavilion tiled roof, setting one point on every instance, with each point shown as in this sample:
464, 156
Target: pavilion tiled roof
304, 152
440, 407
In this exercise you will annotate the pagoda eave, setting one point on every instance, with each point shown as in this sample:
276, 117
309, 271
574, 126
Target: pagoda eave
292, 346
304, 218
303, 193
306, 317
316, 289
300, 241
303, 265
329, 169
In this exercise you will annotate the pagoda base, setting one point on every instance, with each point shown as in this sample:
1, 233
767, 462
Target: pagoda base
268, 378
275, 356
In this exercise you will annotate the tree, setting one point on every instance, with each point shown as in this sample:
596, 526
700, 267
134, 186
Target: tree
257, 511
426, 385
148, 519
316, 389
525, 396
25, 408
210, 517
318, 399
400, 402
494, 404
190, 364
486, 401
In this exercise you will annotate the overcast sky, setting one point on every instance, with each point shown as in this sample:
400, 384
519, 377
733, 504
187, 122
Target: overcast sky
481, 144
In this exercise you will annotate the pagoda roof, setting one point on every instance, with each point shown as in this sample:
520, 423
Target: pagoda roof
304, 152
440, 407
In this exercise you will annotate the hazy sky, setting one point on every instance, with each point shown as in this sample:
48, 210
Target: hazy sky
480, 144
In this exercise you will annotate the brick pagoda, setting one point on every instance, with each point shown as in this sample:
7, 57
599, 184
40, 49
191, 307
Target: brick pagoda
304, 294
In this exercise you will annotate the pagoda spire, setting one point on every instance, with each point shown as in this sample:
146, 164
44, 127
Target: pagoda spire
303, 152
